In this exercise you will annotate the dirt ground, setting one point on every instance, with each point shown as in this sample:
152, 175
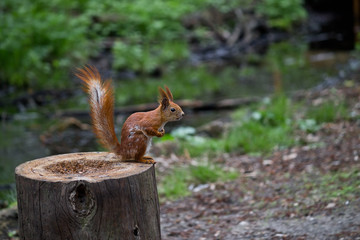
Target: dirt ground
283, 196
270, 200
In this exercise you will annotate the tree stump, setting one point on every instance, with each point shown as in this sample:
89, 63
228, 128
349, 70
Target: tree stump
87, 196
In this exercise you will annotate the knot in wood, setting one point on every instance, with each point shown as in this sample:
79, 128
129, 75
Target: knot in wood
136, 231
82, 200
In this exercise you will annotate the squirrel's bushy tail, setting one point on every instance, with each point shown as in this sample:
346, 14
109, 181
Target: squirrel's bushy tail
101, 100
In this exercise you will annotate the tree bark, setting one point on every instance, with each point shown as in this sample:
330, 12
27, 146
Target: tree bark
87, 196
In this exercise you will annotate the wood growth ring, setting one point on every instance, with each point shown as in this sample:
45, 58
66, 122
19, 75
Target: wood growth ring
80, 166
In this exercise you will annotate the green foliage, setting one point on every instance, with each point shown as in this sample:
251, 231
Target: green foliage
267, 127
285, 57
12, 233
145, 58
193, 144
274, 112
308, 125
184, 83
141, 21
282, 13
197, 146
8, 198
261, 128
149, 32
208, 173
137, 20
174, 185
44, 40
254, 137
150, 35
40, 41
328, 111
177, 183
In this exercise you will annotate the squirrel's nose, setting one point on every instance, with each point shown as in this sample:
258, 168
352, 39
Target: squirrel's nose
182, 114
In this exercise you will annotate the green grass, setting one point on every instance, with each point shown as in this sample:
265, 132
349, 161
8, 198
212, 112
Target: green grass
304, 193
261, 128
342, 185
329, 111
8, 197
199, 146
174, 185
258, 129
211, 173
268, 126
253, 137
12, 233
177, 183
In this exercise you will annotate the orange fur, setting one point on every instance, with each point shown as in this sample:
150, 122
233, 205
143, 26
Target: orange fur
137, 130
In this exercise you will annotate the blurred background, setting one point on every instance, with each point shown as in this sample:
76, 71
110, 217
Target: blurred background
218, 57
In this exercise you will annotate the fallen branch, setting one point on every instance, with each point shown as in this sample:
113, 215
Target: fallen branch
188, 105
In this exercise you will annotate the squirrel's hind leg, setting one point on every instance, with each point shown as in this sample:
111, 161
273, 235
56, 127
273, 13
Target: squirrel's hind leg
140, 156
146, 159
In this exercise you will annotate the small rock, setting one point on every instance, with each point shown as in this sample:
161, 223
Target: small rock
290, 156
267, 162
312, 138
200, 187
330, 205
253, 174
335, 163
280, 235
318, 101
244, 223
309, 168
214, 129
310, 218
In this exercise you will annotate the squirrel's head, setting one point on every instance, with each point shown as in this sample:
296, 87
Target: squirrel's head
170, 110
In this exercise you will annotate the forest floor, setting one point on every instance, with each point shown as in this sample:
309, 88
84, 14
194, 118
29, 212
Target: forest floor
311, 191
290, 195
305, 192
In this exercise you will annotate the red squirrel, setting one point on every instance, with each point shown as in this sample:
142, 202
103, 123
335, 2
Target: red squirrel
138, 129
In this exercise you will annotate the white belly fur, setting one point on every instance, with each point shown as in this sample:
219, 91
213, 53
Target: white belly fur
149, 138
148, 145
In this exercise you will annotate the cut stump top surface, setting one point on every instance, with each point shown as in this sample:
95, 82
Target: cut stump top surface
88, 166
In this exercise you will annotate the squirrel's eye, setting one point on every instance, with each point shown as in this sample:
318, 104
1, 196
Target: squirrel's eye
172, 109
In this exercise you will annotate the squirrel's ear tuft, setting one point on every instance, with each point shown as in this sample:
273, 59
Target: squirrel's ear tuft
168, 92
163, 99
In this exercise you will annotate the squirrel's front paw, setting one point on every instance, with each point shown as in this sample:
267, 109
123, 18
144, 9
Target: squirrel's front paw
162, 132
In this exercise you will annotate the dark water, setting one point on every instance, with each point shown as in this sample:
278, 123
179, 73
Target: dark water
286, 66
18, 144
